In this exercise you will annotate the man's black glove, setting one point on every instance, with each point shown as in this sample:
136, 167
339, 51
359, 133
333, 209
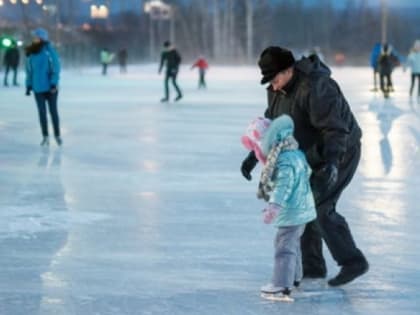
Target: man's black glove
248, 165
329, 174
28, 90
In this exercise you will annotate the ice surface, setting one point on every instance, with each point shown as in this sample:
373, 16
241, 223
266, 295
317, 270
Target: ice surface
144, 211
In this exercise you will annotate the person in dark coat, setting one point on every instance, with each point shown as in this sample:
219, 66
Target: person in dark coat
387, 61
11, 62
329, 135
172, 59
374, 55
122, 60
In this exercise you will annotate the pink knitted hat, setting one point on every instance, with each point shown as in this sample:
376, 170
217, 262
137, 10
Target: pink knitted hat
253, 135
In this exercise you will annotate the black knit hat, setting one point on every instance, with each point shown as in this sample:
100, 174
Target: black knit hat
166, 43
273, 60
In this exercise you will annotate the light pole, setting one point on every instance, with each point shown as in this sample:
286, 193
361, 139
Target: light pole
159, 10
384, 18
53, 11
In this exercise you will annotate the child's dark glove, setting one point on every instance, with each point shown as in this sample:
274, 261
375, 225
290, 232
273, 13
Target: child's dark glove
28, 90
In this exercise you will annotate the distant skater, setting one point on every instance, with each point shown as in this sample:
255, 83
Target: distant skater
374, 56
106, 57
202, 65
413, 61
171, 58
122, 60
11, 62
387, 61
42, 77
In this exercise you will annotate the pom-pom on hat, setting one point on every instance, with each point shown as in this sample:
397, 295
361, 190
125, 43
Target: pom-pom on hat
253, 136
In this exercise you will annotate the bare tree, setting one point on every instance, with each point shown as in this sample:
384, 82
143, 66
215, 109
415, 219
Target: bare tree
249, 5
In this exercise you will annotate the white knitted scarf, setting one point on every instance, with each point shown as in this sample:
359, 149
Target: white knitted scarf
266, 185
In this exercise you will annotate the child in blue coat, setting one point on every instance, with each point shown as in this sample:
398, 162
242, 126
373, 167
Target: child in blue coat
284, 184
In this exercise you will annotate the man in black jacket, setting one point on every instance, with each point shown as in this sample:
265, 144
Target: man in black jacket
172, 58
329, 136
11, 62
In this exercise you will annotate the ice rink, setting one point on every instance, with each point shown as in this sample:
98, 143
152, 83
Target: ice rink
144, 210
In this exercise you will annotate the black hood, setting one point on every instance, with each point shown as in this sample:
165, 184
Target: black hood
312, 65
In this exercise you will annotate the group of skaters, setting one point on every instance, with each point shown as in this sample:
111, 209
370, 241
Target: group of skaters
42, 67
170, 59
106, 57
384, 59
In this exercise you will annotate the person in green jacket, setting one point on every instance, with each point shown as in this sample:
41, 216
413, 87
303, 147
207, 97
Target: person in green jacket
106, 58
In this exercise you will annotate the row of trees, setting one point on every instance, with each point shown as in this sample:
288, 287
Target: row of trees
240, 29
233, 30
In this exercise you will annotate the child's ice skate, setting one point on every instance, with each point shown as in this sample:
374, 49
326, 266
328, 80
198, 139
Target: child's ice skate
273, 293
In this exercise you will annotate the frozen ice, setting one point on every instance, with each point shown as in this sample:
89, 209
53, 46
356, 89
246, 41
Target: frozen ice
144, 211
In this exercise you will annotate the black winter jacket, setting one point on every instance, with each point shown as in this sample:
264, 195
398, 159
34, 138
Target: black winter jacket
324, 124
11, 57
172, 59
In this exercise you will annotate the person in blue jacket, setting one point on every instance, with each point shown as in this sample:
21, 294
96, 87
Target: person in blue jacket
42, 77
374, 56
285, 185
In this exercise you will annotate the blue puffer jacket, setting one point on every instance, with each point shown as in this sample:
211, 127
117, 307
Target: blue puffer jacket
292, 190
42, 69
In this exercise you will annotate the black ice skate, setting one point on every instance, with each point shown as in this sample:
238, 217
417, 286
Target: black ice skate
58, 140
45, 141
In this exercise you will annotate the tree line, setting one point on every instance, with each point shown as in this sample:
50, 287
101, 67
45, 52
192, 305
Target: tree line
232, 31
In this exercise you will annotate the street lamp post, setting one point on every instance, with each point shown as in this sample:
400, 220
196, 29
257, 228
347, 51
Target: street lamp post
159, 11
53, 11
384, 17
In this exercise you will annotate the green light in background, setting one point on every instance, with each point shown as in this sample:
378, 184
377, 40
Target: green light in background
6, 42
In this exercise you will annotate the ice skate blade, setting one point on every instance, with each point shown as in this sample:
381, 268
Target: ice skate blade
277, 297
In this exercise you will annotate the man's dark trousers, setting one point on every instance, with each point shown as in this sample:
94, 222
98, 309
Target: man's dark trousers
42, 99
330, 225
6, 74
171, 75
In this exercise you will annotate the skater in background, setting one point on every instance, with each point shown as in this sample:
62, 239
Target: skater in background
106, 58
202, 65
387, 61
42, 77
413, 62
329, 135
374, 56
122, 60
11, 62
285, 186
171, 58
